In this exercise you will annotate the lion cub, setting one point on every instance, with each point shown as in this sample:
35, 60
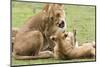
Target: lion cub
64, 48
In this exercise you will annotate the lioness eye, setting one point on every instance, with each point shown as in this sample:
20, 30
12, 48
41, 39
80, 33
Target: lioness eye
57, 23
58, 15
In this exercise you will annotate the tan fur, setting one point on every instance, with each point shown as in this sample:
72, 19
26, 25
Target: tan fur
65, 50
13, 33
33, 37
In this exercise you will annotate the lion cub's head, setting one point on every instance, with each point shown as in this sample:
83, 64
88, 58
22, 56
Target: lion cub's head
61, 38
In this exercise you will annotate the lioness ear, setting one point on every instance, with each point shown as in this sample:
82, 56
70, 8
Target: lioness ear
47, 8
53, 38
49, 11
60, 4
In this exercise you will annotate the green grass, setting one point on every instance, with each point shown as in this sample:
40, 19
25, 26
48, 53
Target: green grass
82, 16
46, 61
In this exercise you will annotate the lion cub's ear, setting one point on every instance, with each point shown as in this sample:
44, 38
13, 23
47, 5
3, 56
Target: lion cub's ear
54, 38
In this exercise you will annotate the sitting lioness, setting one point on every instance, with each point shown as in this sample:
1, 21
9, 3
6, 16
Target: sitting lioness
32, 41
64, 48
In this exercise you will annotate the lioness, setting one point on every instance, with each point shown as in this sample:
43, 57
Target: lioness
34, 36
64, 48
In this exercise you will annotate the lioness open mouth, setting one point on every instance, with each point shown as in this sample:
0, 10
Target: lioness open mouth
62, 24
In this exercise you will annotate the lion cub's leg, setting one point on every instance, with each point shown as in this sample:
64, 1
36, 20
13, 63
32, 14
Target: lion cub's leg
93, 45
57, 54
84, 51
90, 44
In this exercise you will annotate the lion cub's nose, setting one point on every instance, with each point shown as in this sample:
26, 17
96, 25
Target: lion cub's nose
62, 24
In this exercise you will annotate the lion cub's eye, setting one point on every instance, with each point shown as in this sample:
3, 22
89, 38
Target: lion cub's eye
65, 35
54, 38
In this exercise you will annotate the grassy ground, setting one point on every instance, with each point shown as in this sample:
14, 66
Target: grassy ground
83, 16
47, 61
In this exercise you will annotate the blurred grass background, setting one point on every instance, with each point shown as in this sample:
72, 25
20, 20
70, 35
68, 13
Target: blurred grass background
82, 16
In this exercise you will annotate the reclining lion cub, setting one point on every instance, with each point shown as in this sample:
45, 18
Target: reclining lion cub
34, 36
64, 48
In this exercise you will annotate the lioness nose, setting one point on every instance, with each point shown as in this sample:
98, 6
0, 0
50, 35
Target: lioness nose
62, 24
